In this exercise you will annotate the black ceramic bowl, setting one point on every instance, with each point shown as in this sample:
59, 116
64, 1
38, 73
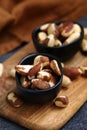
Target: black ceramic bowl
38, 96
63, 52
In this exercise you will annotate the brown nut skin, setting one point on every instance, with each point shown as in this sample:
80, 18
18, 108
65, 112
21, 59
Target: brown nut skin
54, 66
23, 69
65, 26
61, 101
52, 80
40, 59
71, 72
39, 84
68, 30
44, 75
34, 70
25, 82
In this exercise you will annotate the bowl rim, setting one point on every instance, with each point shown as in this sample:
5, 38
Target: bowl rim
38, 91
37, 29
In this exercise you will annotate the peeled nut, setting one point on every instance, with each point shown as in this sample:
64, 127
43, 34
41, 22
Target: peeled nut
68, 30
66, 81
51, 40
72, 38
42, 36
44, 27
23, 69
43, 75
77, 28
34, 70
40, 59
1, 69
54, 66
61, 101
84, 45
57, 43
52, 80
51, 29
39, 84
14, 100
25, 82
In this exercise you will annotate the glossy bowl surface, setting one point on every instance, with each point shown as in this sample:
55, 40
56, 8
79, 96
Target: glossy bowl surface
63, 52
38, 96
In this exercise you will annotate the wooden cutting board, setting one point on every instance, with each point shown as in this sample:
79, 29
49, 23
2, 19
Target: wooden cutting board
47, 116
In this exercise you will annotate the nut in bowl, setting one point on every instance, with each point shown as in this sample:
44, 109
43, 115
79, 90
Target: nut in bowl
61, 39
39, 77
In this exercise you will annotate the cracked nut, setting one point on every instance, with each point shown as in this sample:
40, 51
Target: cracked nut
61, 101
14, 100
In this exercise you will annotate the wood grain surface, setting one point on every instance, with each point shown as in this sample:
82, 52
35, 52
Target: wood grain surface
47, 116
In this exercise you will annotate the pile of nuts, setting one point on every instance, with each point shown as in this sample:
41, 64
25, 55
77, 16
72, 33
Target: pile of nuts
52, 35
42, 74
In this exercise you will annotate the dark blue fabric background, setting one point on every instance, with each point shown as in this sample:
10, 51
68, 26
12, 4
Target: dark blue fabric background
78, 121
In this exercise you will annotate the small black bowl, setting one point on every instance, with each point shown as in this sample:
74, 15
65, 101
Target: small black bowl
64, 52
38, 96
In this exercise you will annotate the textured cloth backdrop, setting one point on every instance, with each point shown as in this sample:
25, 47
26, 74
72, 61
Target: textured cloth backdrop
19, 17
